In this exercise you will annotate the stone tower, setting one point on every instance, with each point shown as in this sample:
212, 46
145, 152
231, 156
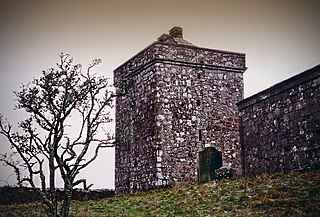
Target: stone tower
182, 99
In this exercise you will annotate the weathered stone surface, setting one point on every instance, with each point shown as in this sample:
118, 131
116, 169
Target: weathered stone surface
184, 100
280, 126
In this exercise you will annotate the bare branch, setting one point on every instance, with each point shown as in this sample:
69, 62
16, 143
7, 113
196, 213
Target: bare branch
84, 182
9, 161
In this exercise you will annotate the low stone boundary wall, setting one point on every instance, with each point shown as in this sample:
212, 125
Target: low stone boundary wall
14, 195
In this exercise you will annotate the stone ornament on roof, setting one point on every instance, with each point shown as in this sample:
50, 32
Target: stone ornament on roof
175, 36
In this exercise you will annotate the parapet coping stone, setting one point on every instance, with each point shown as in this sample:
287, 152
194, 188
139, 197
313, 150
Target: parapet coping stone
280, 87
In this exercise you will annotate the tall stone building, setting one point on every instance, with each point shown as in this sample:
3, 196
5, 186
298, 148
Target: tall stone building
182, 99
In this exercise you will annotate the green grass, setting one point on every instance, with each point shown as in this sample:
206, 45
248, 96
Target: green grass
293, 194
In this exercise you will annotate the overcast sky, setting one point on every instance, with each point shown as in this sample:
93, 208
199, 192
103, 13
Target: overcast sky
280, 39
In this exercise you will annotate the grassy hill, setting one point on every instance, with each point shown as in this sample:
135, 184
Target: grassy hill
293, 194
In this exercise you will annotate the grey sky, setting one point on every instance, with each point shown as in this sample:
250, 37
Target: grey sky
280, 39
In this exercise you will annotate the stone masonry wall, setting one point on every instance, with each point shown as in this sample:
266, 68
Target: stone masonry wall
196, 110
280, 126
184, 99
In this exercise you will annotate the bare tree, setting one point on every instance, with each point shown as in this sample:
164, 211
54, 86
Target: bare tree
44, 139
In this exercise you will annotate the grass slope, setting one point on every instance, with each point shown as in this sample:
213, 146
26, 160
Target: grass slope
293, 194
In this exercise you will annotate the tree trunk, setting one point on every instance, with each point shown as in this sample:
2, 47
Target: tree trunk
68, 189
53, 198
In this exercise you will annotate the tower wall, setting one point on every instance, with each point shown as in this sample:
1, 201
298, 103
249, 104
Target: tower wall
183, 100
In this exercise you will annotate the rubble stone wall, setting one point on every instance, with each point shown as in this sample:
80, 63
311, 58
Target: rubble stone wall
196, 110
280, 126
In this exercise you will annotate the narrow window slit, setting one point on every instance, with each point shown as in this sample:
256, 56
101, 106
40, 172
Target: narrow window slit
199, 76
200, 135
198, 102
